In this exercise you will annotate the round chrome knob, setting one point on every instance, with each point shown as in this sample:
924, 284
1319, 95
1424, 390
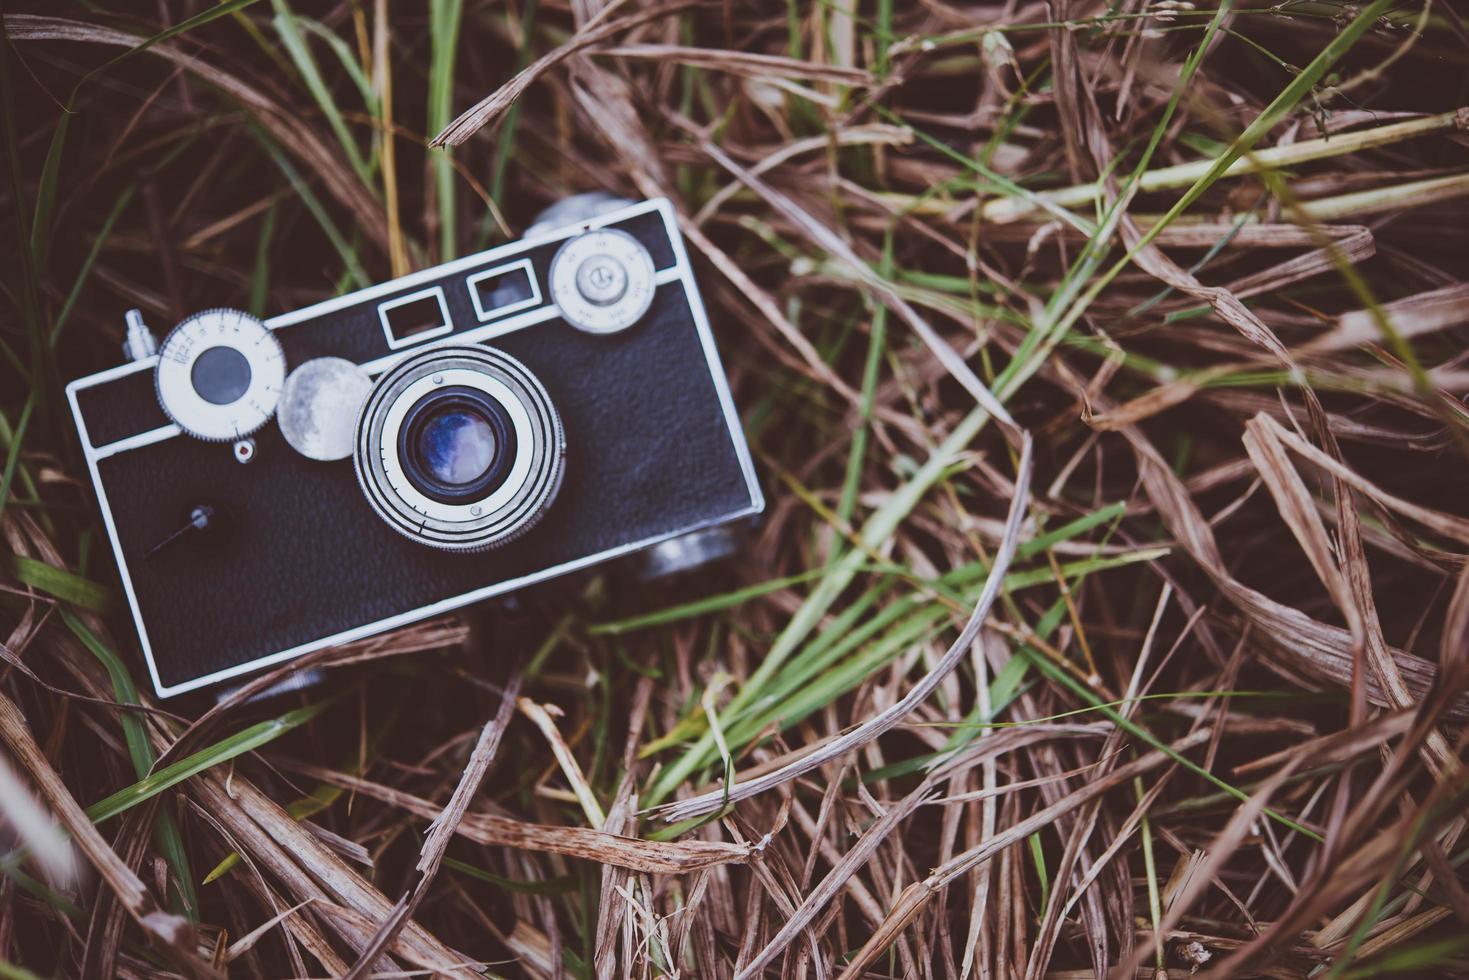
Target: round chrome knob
220, 374
603, 281
319, 407
687, 552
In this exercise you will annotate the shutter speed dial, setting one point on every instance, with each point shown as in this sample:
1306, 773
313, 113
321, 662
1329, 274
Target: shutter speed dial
220, 374
603, 281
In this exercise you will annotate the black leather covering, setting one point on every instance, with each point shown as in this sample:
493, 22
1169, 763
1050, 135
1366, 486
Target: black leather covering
649, 453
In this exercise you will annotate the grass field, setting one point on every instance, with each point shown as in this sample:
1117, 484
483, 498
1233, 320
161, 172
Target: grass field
1104, 366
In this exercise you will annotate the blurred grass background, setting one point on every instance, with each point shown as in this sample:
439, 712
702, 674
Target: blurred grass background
1207, 260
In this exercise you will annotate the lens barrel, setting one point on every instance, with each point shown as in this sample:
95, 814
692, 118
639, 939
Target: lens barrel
459, 448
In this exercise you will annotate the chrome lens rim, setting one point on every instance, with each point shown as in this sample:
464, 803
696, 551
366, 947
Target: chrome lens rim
494, 512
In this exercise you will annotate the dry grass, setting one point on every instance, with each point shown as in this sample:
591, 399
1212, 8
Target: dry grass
1105, 366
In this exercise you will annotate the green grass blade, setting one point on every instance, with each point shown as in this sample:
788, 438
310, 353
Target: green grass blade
1136, 730
700, 607
345, 56
62, 584
444, 18
46, 194
350, 262
12, 455
1283, 103
1050, 328
118, 207
295, 44
551, 886
30, 288
505, 141
12, 971
166, 834
224, 750
876, 348
260, 277
222, 9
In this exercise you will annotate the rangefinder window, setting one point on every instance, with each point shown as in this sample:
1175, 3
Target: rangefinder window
414, 318
503, 290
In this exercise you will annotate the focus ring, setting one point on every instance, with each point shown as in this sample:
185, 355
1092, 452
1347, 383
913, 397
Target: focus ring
510, 507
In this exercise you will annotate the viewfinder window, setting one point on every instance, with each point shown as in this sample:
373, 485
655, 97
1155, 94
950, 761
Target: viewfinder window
504, 290
414, 318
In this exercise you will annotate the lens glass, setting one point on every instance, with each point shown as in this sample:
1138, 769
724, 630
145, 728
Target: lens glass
456, 446
221, 375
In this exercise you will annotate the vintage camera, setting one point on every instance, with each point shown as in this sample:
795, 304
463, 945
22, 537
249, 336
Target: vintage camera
392, 454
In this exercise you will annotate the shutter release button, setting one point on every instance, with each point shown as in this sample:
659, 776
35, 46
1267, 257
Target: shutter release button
601, 279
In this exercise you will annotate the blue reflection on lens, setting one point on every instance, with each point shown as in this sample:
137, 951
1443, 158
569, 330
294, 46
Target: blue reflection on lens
457, 447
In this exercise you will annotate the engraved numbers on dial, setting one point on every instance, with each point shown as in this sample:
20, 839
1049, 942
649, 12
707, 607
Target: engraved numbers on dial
603, 281
220, 374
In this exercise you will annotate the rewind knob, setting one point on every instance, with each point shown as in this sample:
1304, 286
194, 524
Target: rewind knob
220, 374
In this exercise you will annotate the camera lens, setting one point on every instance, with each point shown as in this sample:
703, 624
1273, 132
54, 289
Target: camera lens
456, 443
459, 448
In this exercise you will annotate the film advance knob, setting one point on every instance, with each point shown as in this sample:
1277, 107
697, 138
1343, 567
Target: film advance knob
220, 374
603, 281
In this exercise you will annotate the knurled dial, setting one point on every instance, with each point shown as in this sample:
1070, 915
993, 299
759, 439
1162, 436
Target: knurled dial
603, 281
220, 374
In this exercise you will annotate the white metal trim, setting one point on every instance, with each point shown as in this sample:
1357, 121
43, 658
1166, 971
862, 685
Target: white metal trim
140, 440
413, 339
92, 456
509, 249
436, 609
474, 335
711, 354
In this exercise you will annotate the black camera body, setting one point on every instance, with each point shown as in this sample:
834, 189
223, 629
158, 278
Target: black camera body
525, 412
